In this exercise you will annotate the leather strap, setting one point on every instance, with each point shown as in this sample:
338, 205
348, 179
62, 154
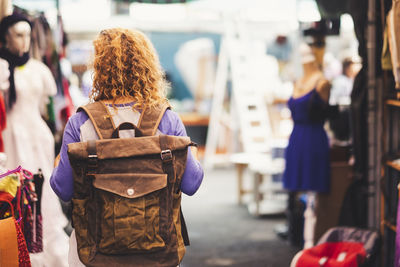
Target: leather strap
101, 119
127, 126
168, 167
150, 118
184, 230
167, 159
92, 158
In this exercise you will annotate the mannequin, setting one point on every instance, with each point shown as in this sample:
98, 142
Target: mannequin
307, 155
27, 139
312, 76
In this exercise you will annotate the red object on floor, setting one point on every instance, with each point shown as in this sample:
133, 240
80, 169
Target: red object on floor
333, 254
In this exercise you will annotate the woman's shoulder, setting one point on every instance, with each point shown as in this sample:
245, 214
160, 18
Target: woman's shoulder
170, 115
78, 119
171, 124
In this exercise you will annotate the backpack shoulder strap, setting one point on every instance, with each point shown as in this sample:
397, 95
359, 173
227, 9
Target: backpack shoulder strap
101, 119
150, 118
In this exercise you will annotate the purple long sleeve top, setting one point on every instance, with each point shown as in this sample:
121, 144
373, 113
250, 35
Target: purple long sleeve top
61, 179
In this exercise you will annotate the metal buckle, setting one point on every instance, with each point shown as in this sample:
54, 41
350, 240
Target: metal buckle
92, 164
166, 155
92, 160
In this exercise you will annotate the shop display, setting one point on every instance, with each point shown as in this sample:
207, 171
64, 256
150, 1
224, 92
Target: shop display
27, 139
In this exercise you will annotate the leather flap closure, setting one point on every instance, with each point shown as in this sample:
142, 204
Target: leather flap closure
130, 185
127, 147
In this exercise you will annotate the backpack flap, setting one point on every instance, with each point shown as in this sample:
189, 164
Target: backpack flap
126, 147
130, 185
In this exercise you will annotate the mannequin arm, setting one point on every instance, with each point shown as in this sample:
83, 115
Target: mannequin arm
324, 89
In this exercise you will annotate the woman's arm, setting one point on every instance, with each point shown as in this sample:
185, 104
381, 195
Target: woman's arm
171, 124
62, 180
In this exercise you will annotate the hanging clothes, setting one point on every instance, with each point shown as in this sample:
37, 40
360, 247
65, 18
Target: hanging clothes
393, 30
5, 8
4, 85
393, 46
30, 143
17, 208
386, 61
397, 251
38, 39
3, 121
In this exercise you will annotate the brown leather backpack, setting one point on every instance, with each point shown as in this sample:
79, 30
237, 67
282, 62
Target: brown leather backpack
126, 203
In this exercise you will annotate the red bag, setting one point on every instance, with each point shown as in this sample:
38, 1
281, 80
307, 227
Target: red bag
8, 244
23, 254
333, 254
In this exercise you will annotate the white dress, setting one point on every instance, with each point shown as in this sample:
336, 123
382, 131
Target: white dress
29, 142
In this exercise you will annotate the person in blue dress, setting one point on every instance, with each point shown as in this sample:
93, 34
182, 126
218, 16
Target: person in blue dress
307, 154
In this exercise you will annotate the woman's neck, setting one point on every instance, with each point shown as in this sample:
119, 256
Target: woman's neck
119, 100
310, 69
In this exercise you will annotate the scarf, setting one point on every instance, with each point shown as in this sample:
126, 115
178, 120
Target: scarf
13, 62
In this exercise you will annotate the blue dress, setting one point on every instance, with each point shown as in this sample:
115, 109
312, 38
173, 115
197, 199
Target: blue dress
307, 153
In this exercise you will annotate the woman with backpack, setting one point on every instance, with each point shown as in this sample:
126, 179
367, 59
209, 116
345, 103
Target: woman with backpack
128, 81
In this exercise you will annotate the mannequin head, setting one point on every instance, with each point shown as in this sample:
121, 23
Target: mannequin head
18, 38
318, 48
306, 54
15, 34
308, 59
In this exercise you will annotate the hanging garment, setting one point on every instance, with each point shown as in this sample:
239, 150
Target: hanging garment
394, 41
4, 85
386, 61
397, 255
2, 121
10, 184
359, 124
396, 28
19, 188
307, 154
5, 9
33, 230
29, 142
38, 43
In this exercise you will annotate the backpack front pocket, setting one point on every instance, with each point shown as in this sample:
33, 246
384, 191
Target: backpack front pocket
129, 212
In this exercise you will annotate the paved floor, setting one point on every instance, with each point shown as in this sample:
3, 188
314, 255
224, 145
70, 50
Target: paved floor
222, 233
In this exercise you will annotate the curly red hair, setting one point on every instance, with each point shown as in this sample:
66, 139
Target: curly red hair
126, 65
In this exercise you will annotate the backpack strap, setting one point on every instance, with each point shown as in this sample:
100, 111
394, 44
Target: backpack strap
150, 118
185, 235
101, 119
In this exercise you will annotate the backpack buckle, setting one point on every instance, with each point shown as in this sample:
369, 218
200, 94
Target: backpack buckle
92, 164
166, 155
